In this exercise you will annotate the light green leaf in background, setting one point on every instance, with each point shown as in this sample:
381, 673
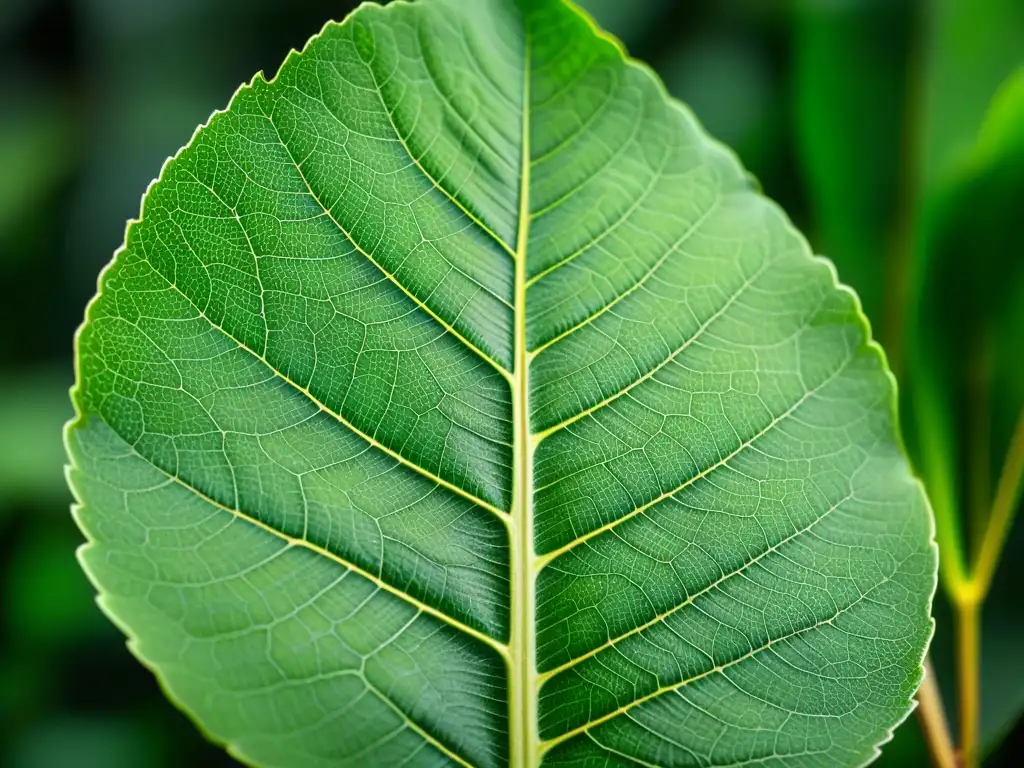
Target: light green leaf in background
922, 222
457, 401
850, 104
33, 403
631, 22
37, 145
965, 380
970, 49
88, 742
975, 215
725, 80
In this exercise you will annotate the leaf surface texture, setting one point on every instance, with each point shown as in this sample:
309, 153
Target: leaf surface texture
456, 366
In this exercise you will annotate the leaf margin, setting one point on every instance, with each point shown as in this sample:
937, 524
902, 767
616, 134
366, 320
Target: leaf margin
863, 324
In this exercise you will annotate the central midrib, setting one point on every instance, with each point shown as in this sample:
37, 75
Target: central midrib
523, 681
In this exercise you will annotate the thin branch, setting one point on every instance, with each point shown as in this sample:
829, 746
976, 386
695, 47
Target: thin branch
936, 445
979, 479
968, 669
1011, 483
932, 717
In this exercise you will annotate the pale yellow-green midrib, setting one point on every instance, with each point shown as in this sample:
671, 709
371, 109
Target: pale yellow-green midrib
524, 742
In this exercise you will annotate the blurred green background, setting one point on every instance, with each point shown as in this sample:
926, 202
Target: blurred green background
871, 121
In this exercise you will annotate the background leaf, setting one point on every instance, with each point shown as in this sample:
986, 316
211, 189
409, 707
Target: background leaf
931, 80
36, 148
631, 23
33, 405
851, 79
969, 51
966, 367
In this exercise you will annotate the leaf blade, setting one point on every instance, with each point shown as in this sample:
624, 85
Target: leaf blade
211, 352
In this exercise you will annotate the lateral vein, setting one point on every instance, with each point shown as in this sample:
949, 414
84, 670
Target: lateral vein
543, 434
689, 600
544, 559
419, 302
553, 742
418, 729
497, 646
674, 248
503, 516
429, 176
606, 232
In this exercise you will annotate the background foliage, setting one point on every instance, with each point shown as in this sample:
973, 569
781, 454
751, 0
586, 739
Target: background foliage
861, 117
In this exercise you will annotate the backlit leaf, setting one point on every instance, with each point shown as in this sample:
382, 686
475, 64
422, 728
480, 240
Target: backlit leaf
850, 100
965, 379
457, 400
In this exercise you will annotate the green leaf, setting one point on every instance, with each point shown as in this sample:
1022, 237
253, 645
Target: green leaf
33, 404
975, 212
112, 743
971, 48
965, 383
850, 96
37, 142
457, 400
629, 22
727, 81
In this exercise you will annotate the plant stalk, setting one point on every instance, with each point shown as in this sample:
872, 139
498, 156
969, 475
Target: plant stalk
1004, 506
969, 598
968, 668
979, 460
932, 718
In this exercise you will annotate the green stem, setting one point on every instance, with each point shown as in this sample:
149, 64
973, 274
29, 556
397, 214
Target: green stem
979, 451
932, 717
936, 446
1008, 491
968, 667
